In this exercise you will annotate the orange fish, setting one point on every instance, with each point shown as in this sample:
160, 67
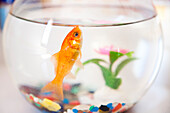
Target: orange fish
64, 61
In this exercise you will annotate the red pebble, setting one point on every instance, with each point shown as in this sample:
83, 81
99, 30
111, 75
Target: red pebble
32, 98
117, 107
67, 87
74, 102
38, 103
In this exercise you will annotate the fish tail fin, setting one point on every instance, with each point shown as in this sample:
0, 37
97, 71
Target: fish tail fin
55, 89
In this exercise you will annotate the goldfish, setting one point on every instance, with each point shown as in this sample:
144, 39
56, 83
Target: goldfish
63, 61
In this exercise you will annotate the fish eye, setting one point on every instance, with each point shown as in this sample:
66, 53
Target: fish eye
75, 34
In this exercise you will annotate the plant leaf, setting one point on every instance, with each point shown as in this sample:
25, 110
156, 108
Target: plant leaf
122, 64
106, 72
93, 61
129, 54
114, 83
111, 81
96, 61
113, 57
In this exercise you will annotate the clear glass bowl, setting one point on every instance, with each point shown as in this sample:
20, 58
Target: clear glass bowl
120, 42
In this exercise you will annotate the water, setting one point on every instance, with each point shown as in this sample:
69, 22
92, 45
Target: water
30, 42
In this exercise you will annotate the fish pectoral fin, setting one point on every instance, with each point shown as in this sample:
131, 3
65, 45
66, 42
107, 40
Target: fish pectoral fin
79, 64
54, 59
70, 76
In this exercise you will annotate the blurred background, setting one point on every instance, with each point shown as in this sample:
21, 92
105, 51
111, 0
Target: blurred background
156, 100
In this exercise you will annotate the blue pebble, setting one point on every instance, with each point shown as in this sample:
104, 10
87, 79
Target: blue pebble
111, 108
75, 110
110, 105
95, 109
47, 93
123, 104
66, 101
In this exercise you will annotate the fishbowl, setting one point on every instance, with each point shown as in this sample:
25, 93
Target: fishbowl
83, 56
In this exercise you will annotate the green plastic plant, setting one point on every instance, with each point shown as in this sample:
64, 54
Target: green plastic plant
111, 77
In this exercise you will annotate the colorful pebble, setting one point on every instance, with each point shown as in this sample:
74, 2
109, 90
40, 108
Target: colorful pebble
75, 90
38, 104
91, 107
31, 97
67, 87
36, 99
74, 102
47, 93
50, 105
104, 108
117, 107
59, 111
95, 109
28, 98
69, 111
123, 104
75, 110
110, 105
66, 101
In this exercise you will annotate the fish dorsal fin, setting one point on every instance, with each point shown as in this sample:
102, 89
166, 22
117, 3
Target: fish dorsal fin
70, 76
79, 64
54, 59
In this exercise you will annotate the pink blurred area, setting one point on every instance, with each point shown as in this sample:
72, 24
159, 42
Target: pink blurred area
106, 50
156, 100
